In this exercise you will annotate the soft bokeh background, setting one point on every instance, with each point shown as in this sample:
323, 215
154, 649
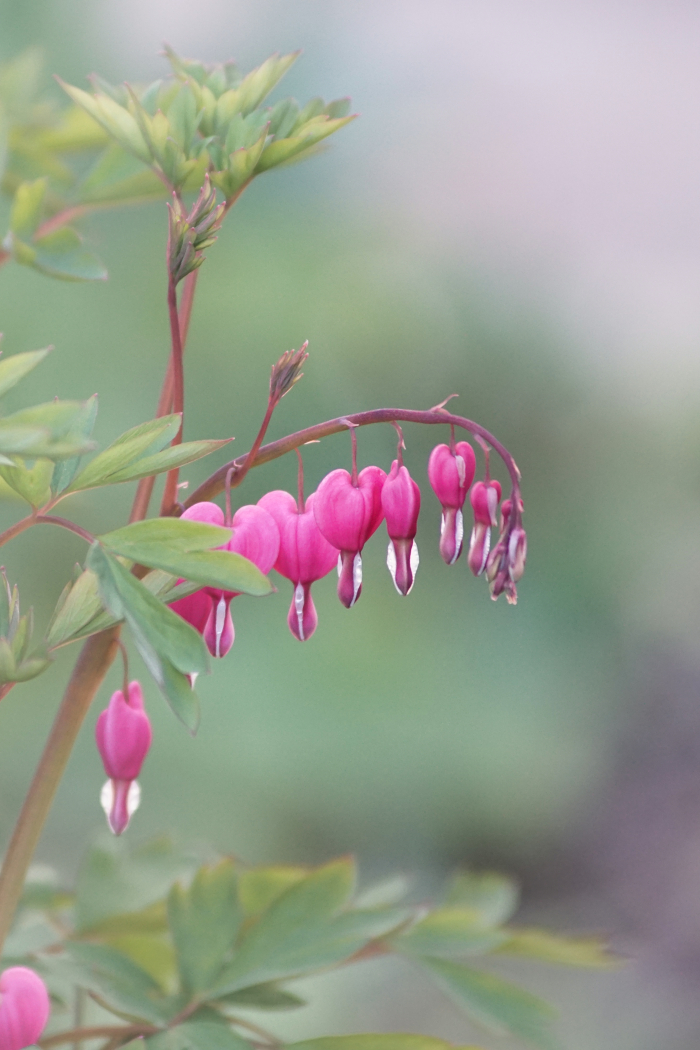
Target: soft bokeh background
514, 218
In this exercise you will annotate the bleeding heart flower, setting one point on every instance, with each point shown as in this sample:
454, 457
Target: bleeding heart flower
304, 556
123, 734
24, 1008
347, 512
451, 472
401, 503
484, 497
256, 537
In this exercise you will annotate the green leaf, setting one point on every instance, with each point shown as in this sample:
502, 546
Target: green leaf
204, 920
82, 428
116, 120
388, 891
175, 456
170, 648
61, 254
145, 439
178, 534
118, 982
14, 368
27, 207
587, 952
78, 607
32, 484
259, 887
118, 178
114, 881
198, 1035
495, 897
302, 930
450, 933
500, 1006
369, 1041
283, 150
264, 997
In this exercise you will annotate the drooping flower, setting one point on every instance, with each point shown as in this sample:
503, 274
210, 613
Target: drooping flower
484, 498
401, 504
506, 564
305, 555
24, 1008
347, 512
451, 472
256, 537
123, 735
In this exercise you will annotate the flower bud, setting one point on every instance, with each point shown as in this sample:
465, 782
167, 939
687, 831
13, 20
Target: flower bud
256, 537
506, 564
401, 503
451, 472
123, 735
484, 498
347, 514
304, 556
506, 508
24, 1008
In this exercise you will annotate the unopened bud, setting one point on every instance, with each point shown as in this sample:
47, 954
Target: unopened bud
123, 735
24, 1008
287, 372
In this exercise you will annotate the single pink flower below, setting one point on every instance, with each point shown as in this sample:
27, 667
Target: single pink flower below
256, 537
24, 1008
401, 503
347, 514
123, 735
451, 472
484, 497
304, 556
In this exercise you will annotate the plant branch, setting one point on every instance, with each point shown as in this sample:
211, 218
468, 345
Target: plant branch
61, 218
17, 528
257, 456
93, 662
76, 1034
53, 519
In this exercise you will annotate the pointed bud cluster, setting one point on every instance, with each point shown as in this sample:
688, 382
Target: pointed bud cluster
451, 472
347, 512
401, 505
287, 372
506, 562
256, 537
123, 734
484, 497
304, 556
191, 233
24, 1008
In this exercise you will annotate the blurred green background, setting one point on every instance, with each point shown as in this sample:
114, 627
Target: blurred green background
515, 219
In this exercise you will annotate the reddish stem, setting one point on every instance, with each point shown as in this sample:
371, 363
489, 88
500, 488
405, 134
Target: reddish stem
300, 482
176, 367
265, 454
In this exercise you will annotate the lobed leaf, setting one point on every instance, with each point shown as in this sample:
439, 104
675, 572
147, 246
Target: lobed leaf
204, 920
175, 456
198, 1035
450, 933
587, 952
145, 439
494, 896
81, 430
370, 1041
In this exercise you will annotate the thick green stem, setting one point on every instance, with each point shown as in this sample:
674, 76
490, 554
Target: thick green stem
93, 663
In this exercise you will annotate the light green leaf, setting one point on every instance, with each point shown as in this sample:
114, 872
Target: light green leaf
302, 931
170, 648
116, 120
450, 933
27, 207
118, 981
381, 894
198, 1035
145, 439
221, 569
259, 887
61, 254
32, 484
175, 456
81, 430
14, 368
264, 997
115, 881
204, 920
118, 178
283, 150
177, 534
587, 952
369, 1041
494, 896
58, 417
500, 1006
78, 607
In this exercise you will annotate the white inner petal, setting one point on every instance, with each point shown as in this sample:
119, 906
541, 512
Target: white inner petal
442, 524
220, 621
299, 608
459, 534
461, 469
356, 576
133, 798
340, 564
391, 562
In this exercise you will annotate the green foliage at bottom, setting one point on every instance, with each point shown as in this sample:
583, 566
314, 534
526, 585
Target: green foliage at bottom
172, 950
